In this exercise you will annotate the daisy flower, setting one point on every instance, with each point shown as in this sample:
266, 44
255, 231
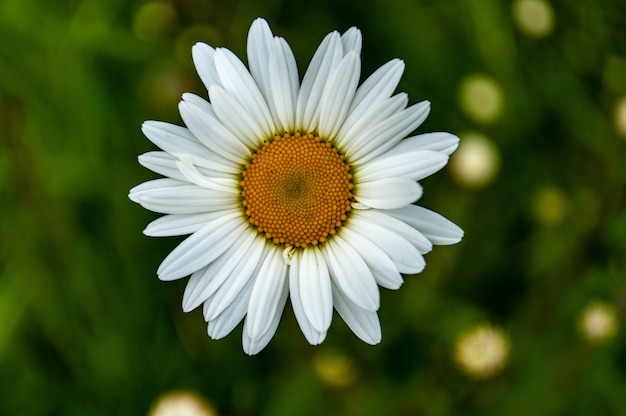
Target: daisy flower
289, 189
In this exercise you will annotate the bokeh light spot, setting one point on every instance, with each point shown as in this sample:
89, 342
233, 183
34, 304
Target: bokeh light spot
155, 19
534, 17
481, 98
550, 206
620, 117
598, 322
476, 163
482, 351
182, 403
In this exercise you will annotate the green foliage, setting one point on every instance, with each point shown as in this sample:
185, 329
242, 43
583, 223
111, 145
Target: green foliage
86, 328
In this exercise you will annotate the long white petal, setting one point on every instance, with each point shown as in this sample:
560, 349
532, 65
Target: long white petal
363, 323
220, 270
181, 224
327, 55
315, 289
413, 165
266, 294
405, 256
258, 48
193, 175
208, 129
254, 346
162, 163
388, 133
225, 322
313, 336
351, 274
237, 280
204, 60
388, 193
284, 83
178, 141
236, 118
435, 227
352, 40
438, 142
382, 267
237, 80
337, 95
361, 121
202, 247
169, 196
379, 86
401, 228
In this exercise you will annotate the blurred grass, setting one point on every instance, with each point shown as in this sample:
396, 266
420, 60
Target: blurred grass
85, 326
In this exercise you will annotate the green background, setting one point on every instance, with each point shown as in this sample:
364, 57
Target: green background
86, 328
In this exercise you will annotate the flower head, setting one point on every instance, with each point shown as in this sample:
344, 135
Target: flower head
293, 189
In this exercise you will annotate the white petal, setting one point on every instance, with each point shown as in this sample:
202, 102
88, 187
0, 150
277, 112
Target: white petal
237, 81
178, 141
359, 122
191, 173
226, 321
413, 165
284, 84
202, 247
219, 271
165, 164
438, 142
195, 286
382, 267
254, 346
405, 256
236, 118
259, 40
379, 86
182, 224
388, 133
327, 55
204, 60
266, 294
363, 323
337, 95
388, 193
352, 40
435, 227
310, 333
169, 196
162, 163
208, 129
237, 280
351, 274
315, 289
401, 228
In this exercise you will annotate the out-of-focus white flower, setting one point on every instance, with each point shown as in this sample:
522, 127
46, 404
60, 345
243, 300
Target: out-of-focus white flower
482, 351
477, 161
181, 403
598, 322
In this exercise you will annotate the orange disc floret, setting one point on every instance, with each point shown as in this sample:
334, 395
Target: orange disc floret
296, 190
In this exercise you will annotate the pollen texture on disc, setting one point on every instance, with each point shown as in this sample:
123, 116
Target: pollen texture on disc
297, 190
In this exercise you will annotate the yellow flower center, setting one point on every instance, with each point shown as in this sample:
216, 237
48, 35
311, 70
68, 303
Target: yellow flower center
297, 190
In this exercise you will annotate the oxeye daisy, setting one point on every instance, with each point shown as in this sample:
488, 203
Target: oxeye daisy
289, 189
